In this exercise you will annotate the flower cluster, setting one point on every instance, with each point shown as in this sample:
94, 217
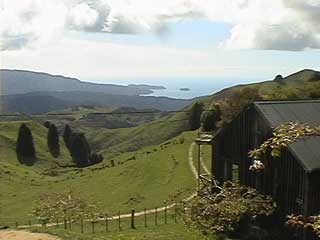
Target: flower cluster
257, 166
283, 135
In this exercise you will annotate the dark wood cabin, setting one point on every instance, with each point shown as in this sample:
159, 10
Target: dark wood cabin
293, 180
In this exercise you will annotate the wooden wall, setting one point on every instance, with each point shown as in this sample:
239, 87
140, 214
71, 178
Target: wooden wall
284, 178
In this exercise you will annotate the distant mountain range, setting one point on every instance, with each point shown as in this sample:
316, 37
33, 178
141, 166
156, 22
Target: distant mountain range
34, 92
20, 82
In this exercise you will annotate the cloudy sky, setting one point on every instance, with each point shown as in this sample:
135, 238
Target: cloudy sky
110, 40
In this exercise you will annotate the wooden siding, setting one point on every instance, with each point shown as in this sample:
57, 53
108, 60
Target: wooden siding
284, 178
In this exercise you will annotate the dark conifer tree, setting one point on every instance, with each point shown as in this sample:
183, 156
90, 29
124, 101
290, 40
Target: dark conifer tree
66, 135
80, 149
25, 149
195, 115
53, 140
47, 124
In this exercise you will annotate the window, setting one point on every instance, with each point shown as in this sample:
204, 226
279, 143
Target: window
235, 172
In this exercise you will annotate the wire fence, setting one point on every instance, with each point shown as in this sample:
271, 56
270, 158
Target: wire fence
107, 223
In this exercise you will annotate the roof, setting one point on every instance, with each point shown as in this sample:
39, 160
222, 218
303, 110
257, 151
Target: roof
306, 150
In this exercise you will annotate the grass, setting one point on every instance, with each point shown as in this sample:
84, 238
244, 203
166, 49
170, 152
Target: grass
161, 232
172, 230
140, 179
112, 142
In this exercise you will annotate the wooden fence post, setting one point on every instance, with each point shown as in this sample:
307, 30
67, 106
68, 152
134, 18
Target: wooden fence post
92, 226
145, 217
81, 224
119, 221
69, 223
57, 226
132, 218
165, 213
156, 217
65, 222
17, 225
175, 213
29, 223
107, 225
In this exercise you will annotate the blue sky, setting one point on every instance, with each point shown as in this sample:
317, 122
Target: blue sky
169, 42
196, 34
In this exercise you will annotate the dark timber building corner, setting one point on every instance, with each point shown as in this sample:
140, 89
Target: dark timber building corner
293, 179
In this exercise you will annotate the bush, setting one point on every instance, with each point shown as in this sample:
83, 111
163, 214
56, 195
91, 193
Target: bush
210, 118
222, 209
96, 158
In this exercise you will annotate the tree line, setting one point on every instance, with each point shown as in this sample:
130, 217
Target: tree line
75, 142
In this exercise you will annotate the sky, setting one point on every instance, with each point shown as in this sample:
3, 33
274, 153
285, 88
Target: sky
122, 41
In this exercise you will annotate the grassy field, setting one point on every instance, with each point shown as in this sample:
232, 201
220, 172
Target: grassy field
140, 179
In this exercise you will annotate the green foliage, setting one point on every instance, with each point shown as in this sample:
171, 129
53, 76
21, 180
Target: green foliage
53, 141
80, 149
25, 147
96, 158
47, 124
66, 135
210, 118
221, 209
195, 115
239, 99
53, 206
283, 135
311, 222
278, 78
315, 93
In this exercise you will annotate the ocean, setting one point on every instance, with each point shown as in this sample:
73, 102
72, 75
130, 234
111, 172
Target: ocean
196, 88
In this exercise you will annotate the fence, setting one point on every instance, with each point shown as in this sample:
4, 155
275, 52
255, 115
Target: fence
118, 222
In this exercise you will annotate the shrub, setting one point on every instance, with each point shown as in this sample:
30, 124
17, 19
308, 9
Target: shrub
221, 209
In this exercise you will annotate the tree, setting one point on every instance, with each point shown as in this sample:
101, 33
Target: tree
237, 102
53, 140
223, 209
47, 124
80, 149
25, 147
210, 118
53, 206
279, 79
66, 135
195, 115
96, 158
282, 136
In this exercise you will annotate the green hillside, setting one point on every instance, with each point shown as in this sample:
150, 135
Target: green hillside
45, 162
303, 84
139, 179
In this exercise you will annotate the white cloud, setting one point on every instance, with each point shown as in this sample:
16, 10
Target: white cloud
260, 24
82, 16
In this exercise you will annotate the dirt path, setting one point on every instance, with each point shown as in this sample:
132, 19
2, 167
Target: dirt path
24, 235
203, 165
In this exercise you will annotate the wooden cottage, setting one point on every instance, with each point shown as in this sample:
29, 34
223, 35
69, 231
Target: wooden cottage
293, 179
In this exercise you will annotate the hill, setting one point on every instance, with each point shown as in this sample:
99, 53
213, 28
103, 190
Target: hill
153, 173
303, 84
43, 102
20, 82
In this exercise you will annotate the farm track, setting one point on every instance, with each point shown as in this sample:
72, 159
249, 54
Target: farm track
150, 211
